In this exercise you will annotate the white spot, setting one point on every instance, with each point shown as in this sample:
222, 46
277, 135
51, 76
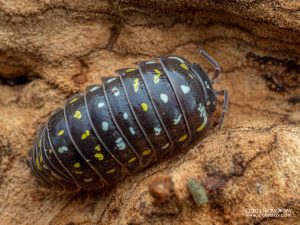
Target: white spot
176, 58
111, 80
120, 143
88, 180
202, 110
94, 88
185, 89
100, 104
131, 131
44, 166
157, 130
150, 62
191, 76
164, 98
104, 125
165, 146
125, 115
203, 114
115, 91
62, 149
206, 84
177, 120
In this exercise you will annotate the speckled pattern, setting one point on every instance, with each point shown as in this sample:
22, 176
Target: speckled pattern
123, 126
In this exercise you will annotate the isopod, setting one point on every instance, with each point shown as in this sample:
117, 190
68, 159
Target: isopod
124, 125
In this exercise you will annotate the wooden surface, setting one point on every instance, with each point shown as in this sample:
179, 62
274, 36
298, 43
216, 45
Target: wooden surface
50, 50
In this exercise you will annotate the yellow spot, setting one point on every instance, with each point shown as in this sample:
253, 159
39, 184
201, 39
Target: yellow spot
111, 171
147, 152
50, 151
85, 134
40, 143
99, 156
184, 66
130, 70
156, 77
38, 163
61, 132
77, 115
201, 127
132, 159
183, 138
98, 148
136, 84
41, 158
144, 106
78, 172
73, 100
77, 165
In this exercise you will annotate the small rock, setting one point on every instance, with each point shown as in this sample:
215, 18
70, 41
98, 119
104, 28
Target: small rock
161, 188
197, 191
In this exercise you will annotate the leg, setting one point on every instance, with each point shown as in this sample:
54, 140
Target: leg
216, 66
224, 93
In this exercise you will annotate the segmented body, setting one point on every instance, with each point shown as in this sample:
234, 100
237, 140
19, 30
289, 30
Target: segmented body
124, 125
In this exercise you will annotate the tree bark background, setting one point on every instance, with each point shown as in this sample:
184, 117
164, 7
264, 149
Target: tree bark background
52, 49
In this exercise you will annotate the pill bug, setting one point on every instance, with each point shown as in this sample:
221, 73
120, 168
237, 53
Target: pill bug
124, 125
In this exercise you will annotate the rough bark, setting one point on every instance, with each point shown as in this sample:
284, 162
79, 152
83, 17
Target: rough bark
52, 49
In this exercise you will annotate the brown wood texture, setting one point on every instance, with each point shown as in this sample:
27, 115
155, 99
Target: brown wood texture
52, 49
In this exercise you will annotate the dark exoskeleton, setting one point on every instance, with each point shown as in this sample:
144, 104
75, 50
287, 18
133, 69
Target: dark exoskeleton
125, 124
